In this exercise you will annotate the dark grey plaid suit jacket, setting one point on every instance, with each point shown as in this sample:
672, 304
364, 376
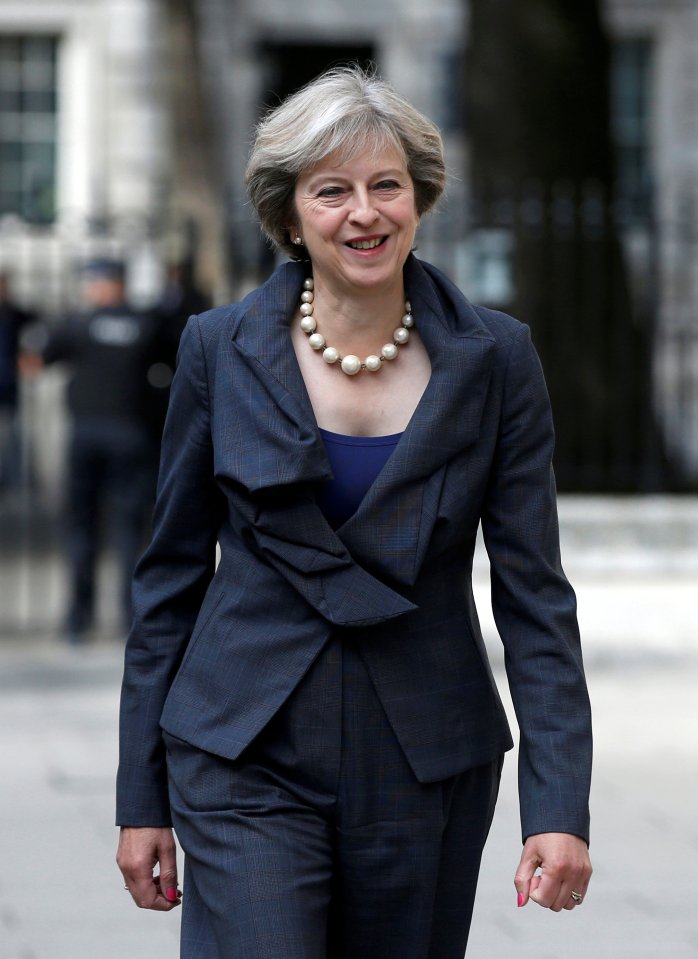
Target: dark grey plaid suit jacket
213, 653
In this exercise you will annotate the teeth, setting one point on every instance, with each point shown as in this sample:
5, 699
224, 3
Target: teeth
366, 244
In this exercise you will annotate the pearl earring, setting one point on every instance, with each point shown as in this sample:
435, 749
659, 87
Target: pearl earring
298, 240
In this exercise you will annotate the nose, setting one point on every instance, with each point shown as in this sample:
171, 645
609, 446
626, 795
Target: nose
363, 211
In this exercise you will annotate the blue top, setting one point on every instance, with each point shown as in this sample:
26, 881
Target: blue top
356, 461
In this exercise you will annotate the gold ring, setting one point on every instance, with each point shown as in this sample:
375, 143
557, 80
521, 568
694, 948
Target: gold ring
576, 896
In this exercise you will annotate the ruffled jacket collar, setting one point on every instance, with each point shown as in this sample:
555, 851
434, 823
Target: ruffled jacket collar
274, 453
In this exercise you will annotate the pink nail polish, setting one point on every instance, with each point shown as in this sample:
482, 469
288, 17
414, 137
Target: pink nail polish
171, 894
520, 900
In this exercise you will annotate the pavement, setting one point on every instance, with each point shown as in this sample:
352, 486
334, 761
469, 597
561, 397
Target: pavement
634, 565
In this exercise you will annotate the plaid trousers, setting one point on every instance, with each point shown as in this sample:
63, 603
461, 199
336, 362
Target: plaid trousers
318, 842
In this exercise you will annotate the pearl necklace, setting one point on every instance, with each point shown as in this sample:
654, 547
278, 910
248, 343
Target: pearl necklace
350, 364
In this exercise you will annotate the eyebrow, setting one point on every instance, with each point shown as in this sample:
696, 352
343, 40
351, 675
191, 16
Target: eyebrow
322, 177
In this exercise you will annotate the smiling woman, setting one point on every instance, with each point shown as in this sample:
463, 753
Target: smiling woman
315, 714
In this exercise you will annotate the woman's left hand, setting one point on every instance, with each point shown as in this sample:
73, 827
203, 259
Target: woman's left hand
565, 871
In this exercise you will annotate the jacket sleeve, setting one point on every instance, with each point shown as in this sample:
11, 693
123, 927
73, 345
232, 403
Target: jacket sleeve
169, 586
535, 607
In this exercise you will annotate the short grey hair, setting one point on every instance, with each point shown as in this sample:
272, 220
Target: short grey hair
345, 111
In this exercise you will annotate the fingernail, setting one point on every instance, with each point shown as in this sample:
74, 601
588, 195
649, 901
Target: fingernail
520, 900
171, 894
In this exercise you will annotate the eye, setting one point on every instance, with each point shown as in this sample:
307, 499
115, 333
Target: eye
330, 191
387, 185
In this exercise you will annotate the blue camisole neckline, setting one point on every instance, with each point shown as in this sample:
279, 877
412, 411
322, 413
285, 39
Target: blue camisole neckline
356, 461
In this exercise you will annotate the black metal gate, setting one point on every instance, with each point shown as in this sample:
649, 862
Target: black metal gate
594, 285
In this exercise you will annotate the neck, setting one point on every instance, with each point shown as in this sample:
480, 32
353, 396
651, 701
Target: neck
356, 317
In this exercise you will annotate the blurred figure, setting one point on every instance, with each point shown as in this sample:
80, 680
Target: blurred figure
111, 349
180, 299
12, 319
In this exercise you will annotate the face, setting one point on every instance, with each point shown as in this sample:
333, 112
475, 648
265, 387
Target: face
357, 219
101, 291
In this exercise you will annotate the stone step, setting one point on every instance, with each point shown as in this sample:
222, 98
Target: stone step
655, 535
641, 533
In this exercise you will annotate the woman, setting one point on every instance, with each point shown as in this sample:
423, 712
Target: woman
321, 701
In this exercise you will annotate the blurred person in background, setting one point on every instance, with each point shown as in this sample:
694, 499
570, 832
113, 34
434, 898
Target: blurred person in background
110, 350
180, 298
12, 319
315, 713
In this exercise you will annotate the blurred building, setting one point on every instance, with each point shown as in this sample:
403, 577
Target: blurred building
655, 113
125, 125
83, 139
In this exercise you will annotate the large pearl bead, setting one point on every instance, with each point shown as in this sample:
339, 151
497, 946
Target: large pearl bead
351, 365
309, 285
317, 341
307, 296
306, 309
401, 335
330, 355
408, 320
389, 351
308, 324
373, 363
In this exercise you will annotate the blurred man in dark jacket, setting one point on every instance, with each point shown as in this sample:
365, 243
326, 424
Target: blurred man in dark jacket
111, 350
180, 298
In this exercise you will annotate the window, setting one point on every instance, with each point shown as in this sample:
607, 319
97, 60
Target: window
630, 115
28, 126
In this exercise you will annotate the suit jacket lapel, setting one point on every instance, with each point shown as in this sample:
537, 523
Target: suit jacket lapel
278, 443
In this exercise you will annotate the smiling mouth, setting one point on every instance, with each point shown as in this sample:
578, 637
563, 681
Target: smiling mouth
366, 244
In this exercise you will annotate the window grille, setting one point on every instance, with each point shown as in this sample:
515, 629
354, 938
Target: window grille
28, 108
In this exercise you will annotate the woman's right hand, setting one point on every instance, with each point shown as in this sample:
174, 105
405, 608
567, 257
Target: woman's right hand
140, 850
